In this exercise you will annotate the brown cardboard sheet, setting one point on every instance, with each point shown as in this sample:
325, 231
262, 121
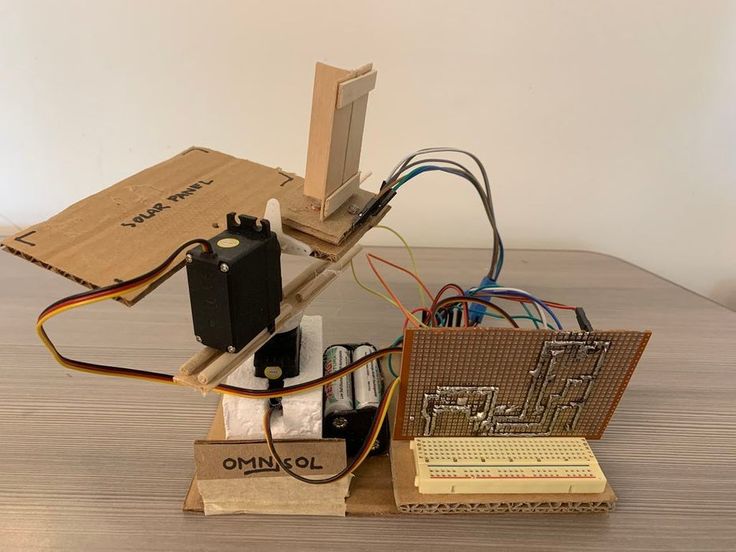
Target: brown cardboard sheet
243, 477
132, 226
411, 501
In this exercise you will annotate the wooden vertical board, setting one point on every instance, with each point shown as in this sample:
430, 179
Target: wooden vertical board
338, 145
355, 138
351, 90
326, 80
340, 196
339, 106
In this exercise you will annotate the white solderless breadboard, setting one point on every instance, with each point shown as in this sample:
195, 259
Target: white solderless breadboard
523, 465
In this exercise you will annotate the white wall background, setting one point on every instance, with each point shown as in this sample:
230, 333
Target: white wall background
607, 126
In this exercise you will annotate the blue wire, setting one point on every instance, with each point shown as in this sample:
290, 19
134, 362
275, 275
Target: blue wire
534, 319
491, 290
415, 172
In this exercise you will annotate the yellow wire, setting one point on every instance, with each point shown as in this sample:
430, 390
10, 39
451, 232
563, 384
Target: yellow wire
57, 356
393, 386
385, 297
370, 289
422, 293
111, 295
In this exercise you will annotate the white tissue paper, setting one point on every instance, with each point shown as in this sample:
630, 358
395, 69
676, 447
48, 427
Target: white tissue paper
302, 413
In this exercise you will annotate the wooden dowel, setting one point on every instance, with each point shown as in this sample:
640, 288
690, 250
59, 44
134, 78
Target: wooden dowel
199, 360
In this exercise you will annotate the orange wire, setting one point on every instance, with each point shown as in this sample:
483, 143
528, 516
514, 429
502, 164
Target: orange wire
419, 309
460, 291
391, 293
405, 270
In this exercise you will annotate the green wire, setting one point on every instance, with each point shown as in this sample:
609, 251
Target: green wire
529, 314
521, 317
390, 364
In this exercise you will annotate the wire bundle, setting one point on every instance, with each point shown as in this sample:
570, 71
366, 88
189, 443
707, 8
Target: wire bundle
443, 310
438, 313
415, 164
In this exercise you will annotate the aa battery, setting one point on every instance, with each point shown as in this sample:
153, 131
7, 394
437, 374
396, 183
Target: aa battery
339, 393
367, 381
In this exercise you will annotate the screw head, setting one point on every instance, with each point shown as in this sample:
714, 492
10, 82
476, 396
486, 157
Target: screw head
189, 258
230, 348
224, 267
376, 445
198, 338
340, 422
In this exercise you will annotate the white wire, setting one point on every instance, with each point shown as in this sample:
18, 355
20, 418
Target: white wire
535, 302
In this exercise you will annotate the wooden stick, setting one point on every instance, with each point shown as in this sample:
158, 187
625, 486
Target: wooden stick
199, 360
298, 294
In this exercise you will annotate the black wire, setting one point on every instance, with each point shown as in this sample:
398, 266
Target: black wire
342, 473
104, 369
117, 285
487, 304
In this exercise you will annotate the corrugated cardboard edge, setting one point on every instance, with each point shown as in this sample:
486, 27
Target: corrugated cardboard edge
127, 300
411, 501
329, 251
371, 491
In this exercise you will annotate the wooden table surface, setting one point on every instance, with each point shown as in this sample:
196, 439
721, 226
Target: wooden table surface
98, 463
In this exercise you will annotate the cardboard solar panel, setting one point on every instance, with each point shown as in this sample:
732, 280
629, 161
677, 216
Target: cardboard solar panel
131, 227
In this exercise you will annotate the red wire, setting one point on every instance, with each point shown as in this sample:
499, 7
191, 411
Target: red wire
460, 292
551, 304
402, 269
423, 310
385, 285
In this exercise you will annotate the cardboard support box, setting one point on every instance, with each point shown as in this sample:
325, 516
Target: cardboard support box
371, 490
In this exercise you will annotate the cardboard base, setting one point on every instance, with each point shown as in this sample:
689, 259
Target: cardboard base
380, 484
411, 501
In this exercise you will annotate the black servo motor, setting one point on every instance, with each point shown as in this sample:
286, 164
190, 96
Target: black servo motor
235, 291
